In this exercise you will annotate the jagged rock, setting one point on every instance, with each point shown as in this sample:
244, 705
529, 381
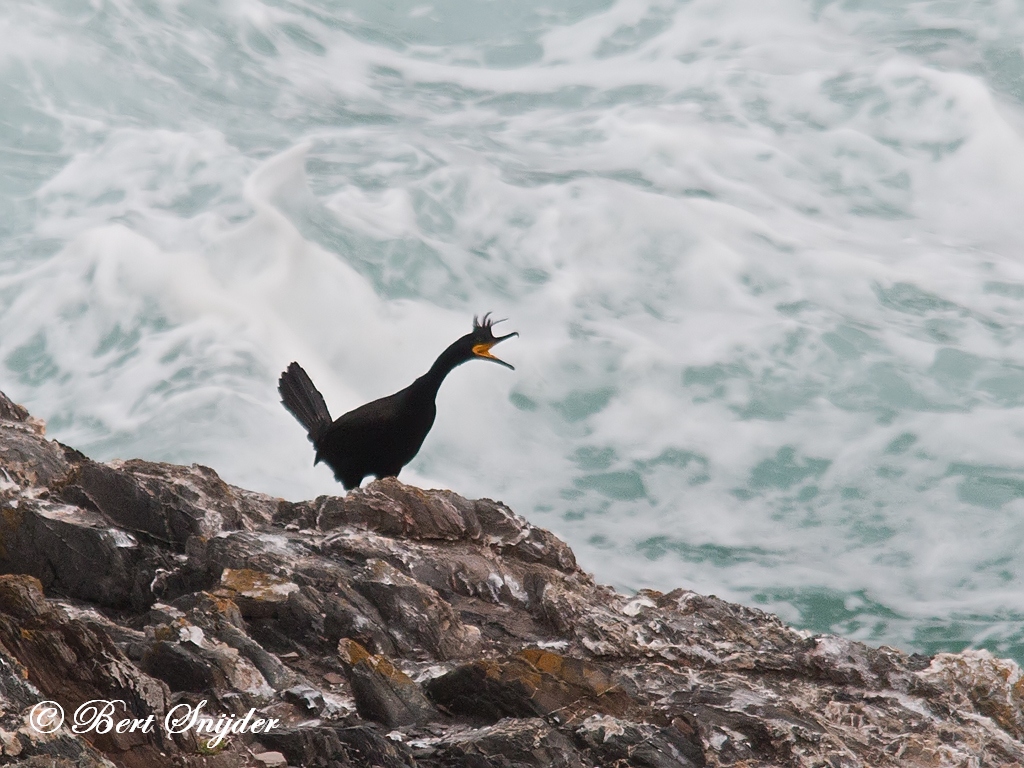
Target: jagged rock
271, 759
220, 617
30, 461
529, 743
382, 692
512, 536
338, 746
347, 614
257, 594
190, 661
209, 610
159, 500
60, 753
610, 741
72, 664
158, 577
20, 744
78, 553
26, 458
11, 413
392, 508
416, 615
533, 683
307, 698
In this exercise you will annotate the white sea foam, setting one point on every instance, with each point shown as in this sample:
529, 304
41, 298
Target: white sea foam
763, 258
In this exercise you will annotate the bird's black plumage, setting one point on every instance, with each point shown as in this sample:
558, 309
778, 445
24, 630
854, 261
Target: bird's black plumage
381, 437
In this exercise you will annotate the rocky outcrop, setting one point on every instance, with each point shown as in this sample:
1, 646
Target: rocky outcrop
402, 627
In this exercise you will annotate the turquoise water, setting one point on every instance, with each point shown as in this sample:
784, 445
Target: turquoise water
764, 258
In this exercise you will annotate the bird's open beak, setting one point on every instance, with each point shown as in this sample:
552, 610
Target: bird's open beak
484, 350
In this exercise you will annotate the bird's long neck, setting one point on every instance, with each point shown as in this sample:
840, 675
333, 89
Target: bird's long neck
430, 382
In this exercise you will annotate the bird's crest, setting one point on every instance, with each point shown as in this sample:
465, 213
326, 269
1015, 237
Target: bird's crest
485, 324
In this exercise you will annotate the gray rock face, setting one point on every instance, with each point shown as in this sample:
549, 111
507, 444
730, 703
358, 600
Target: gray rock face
402, 627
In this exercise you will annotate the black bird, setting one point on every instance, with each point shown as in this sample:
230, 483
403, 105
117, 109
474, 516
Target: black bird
381, 437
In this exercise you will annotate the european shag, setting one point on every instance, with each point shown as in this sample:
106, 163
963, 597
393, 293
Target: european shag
381, 437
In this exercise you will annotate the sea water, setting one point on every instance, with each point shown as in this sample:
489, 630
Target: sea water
766, 258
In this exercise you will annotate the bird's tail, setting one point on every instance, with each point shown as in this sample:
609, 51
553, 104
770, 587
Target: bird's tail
304, 401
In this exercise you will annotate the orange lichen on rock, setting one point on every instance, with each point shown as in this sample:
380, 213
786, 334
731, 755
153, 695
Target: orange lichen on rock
382, 692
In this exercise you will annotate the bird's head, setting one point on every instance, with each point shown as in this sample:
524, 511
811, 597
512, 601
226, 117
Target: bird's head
482, 339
